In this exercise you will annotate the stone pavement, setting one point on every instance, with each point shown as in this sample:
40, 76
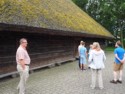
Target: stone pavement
65, 79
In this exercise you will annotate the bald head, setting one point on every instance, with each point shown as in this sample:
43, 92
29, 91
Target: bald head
82, 43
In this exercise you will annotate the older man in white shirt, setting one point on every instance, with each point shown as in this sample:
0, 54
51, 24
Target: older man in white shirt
23, 62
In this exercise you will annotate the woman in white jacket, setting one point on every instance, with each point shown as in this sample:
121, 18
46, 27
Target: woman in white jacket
96, 59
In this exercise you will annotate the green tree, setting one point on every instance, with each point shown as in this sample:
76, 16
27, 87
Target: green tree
81, 3
109, 13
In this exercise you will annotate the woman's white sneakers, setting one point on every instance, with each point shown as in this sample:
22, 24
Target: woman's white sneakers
92, 87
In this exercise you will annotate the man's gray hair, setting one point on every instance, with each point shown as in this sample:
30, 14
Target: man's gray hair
22, 39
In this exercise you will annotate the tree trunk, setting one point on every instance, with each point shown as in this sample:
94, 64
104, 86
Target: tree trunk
122, 39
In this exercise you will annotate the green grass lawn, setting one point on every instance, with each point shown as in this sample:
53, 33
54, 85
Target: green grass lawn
109, 48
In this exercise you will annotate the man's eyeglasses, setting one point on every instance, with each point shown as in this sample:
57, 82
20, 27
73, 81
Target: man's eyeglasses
24, 42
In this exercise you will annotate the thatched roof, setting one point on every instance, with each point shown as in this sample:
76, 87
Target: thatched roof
61, 15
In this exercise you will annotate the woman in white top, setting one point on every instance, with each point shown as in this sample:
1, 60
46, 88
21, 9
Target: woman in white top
96, 59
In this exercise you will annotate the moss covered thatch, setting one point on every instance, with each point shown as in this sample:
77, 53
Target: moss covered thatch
52, 14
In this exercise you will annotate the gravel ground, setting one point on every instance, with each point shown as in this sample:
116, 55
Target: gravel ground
65, 79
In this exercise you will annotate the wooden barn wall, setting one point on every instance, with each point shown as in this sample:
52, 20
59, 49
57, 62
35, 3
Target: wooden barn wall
88, 41
43, 49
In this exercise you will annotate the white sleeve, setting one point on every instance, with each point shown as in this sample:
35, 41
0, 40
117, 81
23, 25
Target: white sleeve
79, 48
90, 56
104, 57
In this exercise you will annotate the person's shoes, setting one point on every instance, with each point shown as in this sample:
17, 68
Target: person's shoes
89, 68
101, 88
92, 87
113, 81
83, 69
119, 81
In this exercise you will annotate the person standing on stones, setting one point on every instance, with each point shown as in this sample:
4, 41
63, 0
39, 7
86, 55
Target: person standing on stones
118, 64
82, 54
23, 62
96, 60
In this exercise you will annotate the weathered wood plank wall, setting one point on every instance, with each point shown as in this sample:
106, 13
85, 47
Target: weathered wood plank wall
43, 49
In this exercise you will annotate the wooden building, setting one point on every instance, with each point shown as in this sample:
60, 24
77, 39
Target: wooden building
53, 28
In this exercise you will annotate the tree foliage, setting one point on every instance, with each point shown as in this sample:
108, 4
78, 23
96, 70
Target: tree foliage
109, 13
